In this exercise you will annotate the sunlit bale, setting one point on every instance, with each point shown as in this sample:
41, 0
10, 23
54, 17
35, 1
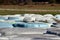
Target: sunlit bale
29, 19
38, 17
57, 18
28, 15
51, 21
49, 18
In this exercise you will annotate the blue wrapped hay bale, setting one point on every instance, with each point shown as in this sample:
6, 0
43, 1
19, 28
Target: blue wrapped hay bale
19, 24
2, 18
13, 18
16, 19
31, 25
5, 25
36, 25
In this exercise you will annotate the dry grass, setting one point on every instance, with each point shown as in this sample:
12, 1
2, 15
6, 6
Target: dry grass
5, 12
42, 7
38, 7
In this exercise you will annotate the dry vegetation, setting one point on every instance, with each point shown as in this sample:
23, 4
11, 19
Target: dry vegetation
42, 7
38, 7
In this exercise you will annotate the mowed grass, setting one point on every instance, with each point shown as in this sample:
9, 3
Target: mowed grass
39, 7
6, 12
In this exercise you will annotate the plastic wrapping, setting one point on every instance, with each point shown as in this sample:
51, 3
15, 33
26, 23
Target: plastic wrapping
5, 25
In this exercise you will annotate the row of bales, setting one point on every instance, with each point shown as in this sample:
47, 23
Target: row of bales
29, 21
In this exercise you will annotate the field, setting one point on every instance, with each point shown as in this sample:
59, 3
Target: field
42, 7
37, 9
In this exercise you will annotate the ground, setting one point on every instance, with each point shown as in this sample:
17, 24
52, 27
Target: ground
14, 9
42, 7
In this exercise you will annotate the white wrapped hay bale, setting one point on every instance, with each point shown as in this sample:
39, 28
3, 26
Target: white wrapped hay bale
49, 18
49, 15
29, 19
28, 15
57, 17
38, 17
51, 21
